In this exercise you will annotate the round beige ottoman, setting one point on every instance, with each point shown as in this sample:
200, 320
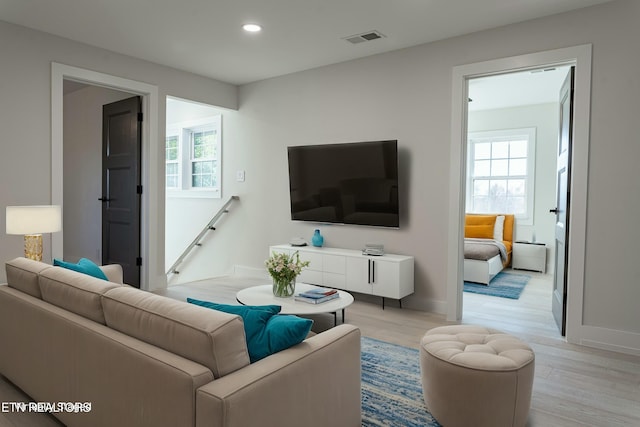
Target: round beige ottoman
476, 376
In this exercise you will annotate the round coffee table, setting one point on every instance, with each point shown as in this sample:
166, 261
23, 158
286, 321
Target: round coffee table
263, 295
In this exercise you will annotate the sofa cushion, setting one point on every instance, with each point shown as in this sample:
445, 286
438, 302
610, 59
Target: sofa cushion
22, 274
213, 339
266, 331
76, 292
85, 266
113, 272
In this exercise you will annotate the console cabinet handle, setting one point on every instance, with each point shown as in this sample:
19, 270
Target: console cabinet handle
371, 271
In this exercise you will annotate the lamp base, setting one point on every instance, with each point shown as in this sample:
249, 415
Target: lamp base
33, 246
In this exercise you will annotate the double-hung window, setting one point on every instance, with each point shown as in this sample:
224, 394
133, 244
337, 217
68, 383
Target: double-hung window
193, 158
501, 168
172, 158
204, 157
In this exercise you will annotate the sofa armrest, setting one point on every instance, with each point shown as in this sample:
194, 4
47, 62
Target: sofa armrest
113, 272
315, 383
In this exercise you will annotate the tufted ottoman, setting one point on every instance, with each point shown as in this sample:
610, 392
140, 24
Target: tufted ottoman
476, 376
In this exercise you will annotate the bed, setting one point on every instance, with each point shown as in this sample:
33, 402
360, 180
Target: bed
488, 242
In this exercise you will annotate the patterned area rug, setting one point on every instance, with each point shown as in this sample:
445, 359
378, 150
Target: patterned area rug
391, 386
504, 285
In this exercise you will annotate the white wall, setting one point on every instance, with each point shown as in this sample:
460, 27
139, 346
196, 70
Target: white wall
82, 219
406, 95
544, 118
25, 115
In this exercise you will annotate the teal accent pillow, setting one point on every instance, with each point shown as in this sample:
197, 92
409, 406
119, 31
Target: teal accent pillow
286, 330
85, 266
266, 331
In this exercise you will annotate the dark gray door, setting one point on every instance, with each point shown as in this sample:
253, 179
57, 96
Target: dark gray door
563, 201
121, 186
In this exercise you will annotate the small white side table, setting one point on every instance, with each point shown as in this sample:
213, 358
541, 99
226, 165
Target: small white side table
529, 256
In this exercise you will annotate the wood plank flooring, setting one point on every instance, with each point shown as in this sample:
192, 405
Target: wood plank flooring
573, 386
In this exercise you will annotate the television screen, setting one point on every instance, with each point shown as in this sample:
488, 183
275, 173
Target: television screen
349, 183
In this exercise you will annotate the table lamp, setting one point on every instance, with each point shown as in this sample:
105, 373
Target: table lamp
32, 221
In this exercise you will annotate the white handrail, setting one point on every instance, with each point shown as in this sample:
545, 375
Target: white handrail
198, 240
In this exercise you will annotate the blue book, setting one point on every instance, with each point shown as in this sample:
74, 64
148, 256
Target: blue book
319, 292
316, 299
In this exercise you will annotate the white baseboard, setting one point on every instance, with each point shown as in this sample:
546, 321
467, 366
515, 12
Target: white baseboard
610, 347
609, 339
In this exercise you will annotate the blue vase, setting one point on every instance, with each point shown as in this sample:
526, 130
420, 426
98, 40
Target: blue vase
317, 239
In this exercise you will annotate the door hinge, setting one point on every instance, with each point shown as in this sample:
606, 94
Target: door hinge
139, 189
139, 117
138, 262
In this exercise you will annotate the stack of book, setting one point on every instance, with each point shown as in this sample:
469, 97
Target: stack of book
317, 295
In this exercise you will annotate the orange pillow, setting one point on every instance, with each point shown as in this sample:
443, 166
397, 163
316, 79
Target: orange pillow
480, 220
478, 231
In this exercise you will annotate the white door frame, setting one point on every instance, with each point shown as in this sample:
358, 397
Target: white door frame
580, 56
150, 279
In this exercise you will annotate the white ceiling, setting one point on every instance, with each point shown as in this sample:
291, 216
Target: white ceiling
516, 89
205, 36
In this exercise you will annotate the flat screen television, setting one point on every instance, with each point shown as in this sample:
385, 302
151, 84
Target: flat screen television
348, 183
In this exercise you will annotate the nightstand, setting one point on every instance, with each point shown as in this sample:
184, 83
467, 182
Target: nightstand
529, 256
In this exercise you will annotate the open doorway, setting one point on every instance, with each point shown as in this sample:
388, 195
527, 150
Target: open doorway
83, 162
512, 125
580, 56
193, 176
152, 276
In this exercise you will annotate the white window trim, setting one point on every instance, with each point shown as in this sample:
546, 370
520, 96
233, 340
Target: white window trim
493, 135
182, 131
170, 133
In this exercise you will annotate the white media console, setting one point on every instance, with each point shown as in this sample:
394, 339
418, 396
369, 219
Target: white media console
387, 276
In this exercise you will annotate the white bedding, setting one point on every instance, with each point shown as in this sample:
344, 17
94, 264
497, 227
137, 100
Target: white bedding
481, 270
484, 265
478, 271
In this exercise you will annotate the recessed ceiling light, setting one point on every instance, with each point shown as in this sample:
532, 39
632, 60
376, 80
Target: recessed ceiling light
252, 28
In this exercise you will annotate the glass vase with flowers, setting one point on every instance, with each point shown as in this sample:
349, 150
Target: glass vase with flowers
283, 269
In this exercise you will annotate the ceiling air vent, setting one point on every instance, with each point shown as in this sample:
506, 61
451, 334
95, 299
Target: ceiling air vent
364, 37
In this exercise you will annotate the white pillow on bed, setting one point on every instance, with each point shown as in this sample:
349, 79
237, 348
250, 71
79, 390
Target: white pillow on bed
498, 229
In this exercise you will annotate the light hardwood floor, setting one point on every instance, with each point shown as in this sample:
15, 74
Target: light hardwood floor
573, 386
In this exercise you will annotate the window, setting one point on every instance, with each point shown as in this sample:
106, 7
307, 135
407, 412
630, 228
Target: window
193, 158
501, 173
203, 158
172, 153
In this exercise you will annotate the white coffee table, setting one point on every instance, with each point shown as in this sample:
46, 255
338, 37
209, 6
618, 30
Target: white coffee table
263, 295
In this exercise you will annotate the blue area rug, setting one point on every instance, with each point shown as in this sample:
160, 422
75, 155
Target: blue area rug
504, 285
392, 386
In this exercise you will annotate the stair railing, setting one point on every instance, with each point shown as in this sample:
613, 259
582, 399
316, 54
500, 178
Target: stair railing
197, 242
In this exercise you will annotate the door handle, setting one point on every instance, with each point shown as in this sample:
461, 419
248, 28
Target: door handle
554, 210
104, 199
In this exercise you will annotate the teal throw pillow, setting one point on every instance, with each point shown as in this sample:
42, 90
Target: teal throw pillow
266, 331
255, 320
85, 266
285, 330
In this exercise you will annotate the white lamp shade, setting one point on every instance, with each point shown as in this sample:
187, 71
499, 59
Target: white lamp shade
33, 219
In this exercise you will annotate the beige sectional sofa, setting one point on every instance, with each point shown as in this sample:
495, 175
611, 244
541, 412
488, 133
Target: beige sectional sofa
141, 359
